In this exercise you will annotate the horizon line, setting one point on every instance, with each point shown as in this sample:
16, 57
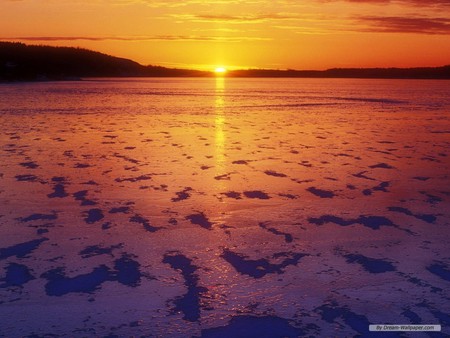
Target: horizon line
210, 68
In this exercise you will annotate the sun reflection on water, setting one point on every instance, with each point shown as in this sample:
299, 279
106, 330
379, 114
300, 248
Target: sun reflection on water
219, 125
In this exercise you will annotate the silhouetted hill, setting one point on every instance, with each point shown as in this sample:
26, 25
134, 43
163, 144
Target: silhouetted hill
20, 62
28, 62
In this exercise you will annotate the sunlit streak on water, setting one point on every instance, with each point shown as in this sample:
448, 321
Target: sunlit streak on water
219, 132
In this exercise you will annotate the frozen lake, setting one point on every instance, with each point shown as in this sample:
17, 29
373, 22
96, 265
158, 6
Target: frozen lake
223, 207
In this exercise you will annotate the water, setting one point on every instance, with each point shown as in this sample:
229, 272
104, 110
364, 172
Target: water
201, 207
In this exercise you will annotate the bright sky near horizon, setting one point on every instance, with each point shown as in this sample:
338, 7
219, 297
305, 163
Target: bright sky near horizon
202, 34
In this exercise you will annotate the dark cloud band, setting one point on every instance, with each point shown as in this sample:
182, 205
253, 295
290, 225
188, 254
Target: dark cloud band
395, 24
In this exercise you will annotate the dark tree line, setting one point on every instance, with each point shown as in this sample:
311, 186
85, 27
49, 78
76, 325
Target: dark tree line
366, 73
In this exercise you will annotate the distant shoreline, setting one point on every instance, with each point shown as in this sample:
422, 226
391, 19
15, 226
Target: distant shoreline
237, 77
20, 62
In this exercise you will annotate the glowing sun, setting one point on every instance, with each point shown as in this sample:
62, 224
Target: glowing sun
220, 70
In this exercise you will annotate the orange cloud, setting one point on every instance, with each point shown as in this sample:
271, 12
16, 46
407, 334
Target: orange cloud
237, 19
138, 38
396, 24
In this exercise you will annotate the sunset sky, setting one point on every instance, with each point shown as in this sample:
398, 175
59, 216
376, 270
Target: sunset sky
280, 34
